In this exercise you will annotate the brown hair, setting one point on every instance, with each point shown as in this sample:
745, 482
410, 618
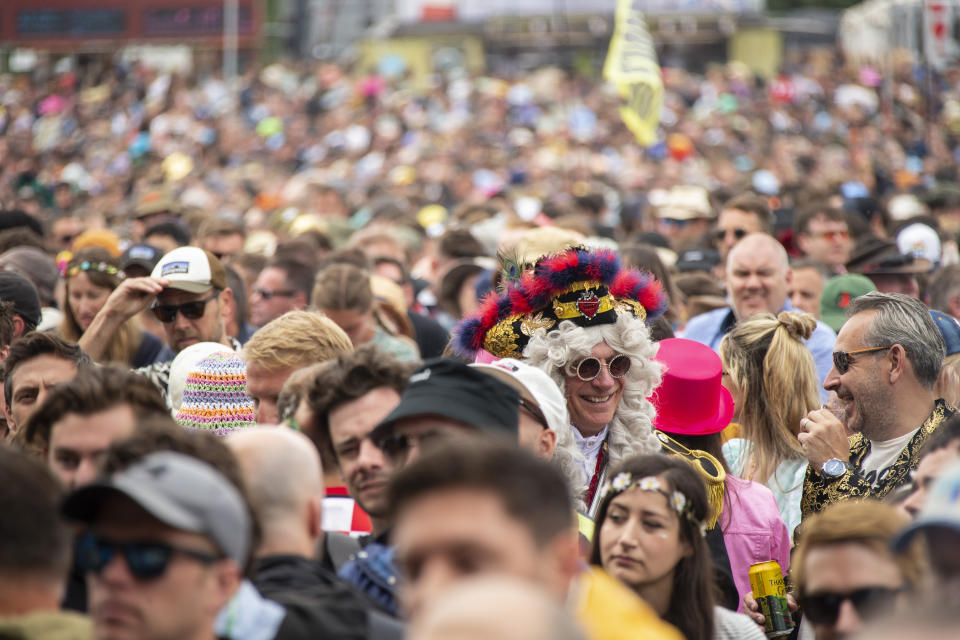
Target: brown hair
97, 390
347, 378
6, 323
867, 522
38, 343
127, 339
752, 203
342, 287
775, 375
803, 218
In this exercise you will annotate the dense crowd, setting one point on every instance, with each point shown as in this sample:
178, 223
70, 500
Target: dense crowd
338, 354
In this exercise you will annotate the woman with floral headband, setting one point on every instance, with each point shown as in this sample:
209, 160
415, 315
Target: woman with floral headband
89, 278
650, 532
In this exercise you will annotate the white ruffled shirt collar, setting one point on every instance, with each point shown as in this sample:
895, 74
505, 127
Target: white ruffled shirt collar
590, 448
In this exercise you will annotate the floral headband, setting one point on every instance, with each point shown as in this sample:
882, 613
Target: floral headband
625, 481
102, 267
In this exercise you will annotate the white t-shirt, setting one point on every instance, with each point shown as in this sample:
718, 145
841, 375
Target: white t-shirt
883, 453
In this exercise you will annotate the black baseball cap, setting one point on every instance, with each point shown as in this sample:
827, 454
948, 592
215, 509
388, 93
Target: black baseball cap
21, 292
141, 255
452, 389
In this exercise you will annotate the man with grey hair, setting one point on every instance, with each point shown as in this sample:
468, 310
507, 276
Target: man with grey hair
885, 363
758, 280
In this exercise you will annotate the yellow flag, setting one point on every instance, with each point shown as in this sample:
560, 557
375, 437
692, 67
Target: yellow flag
632, 65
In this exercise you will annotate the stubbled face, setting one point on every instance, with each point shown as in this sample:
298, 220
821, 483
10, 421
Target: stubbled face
843, 568
85, 299
271, 297
448, 535
78, 443
182, 331
364, 468
592, 404
181, 603
757, 280
805, 289
31, 381
860, 392
730, 222
640, 542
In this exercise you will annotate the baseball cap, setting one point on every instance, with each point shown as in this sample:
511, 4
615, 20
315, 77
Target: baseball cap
191, 269
534, 386
140, 255
452, 389
21, 292
949, 328
178, 490
837, 295
36, 265
942, 508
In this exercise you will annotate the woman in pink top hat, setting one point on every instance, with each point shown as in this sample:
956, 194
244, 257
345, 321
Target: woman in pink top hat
693, 408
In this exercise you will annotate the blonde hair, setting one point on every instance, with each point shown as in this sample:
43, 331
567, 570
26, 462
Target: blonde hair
775, 378
867, 522
296, 339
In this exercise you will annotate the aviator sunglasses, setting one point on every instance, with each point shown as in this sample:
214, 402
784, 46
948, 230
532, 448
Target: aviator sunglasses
147, 560
589, 368
843, 360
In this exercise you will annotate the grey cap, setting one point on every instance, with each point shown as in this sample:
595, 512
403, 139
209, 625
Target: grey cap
178, 490
35, 265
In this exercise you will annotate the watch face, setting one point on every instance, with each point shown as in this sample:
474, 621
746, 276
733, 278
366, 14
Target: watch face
834, 467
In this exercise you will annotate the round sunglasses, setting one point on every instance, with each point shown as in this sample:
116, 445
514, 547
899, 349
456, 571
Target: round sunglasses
589, 368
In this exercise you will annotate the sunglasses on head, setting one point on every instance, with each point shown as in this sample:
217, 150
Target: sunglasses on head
147, 560
190, 310
824, 608
843, 360
589, 368
720, 234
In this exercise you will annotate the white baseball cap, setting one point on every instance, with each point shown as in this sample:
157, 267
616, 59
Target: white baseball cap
191, 269
534, 386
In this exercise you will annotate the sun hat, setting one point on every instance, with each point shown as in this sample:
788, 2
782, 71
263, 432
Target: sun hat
181, 366
691, 399
215, 396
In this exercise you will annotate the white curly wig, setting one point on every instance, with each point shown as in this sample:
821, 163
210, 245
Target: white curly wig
630, 432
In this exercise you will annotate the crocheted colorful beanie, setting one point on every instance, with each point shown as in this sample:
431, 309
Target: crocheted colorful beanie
215, 396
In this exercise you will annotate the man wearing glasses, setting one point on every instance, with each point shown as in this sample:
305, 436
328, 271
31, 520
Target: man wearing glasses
285, 284
886, 361
187, 292
164, 549
824, 236
740, 216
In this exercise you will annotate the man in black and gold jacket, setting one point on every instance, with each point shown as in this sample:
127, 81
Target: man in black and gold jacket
885, 362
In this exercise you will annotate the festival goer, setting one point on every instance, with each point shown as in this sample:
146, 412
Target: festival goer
740, 216
938, 454
837, 295
215, 399
35, 364
807, 279
758, 277
40, 269
293, 341
343, 293
890, 270
222, 237
458, 515
651, 526
684, 216
822, 234
938, 525
187, 292
285, 284
26, 302
284, 477
89, 279
887, 359
34, 553
773, 381
581, 318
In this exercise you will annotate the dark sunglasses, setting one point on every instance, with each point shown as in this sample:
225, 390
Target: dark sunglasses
397, 446
824, 608
147, 560
266, 294
589, 368
720, 234
190, 310
843, 360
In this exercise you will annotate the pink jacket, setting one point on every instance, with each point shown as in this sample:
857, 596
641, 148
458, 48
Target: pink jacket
752, 530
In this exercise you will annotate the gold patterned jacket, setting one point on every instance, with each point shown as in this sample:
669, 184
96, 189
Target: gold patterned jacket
819, 492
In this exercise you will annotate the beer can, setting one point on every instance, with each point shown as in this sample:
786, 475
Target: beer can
770, 592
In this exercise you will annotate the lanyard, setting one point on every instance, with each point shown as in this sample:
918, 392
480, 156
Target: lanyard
597, 474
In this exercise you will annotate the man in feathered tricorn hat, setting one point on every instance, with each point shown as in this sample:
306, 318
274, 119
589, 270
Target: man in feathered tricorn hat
580, 317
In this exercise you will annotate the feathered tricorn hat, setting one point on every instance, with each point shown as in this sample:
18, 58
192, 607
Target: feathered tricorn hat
588, 288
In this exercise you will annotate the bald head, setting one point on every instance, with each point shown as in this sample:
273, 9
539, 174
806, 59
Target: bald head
284, 478
524, 612
757, 275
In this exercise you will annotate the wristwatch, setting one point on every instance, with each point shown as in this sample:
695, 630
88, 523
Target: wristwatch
834, 468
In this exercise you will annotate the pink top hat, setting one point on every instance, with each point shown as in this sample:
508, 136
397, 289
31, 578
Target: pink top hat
690, 400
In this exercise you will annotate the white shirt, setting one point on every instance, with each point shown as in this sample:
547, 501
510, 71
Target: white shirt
883, 453
590, 448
